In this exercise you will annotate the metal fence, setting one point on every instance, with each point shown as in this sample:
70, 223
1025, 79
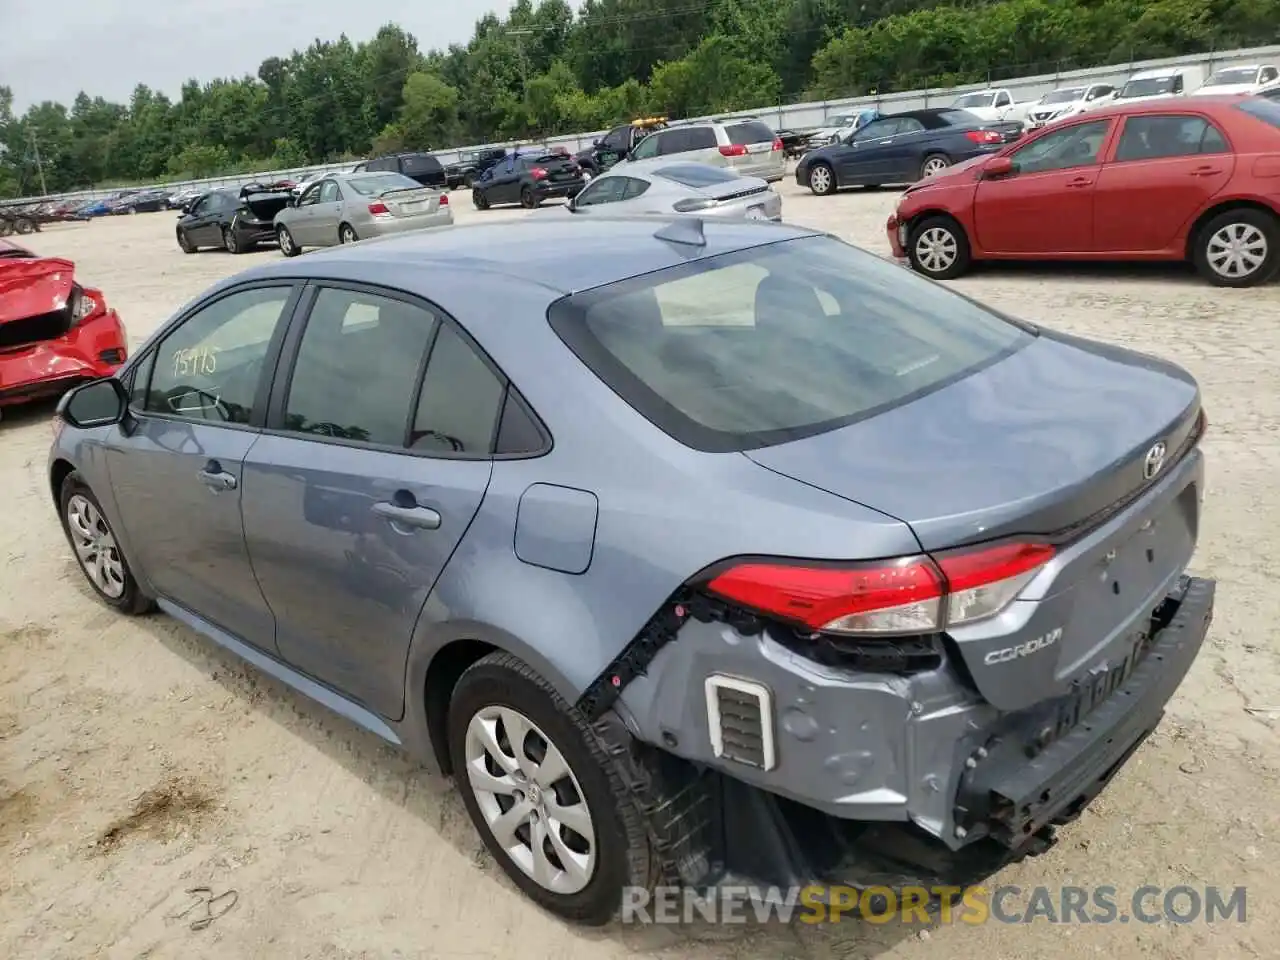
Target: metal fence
793, 116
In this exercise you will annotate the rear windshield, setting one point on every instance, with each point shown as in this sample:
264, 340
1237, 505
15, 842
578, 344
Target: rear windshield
749, 131
1268, 111
373, 183
696, 174
956, 118
419, 163
778, 342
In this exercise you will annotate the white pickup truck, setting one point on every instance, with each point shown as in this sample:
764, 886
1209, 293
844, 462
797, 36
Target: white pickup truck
995, 106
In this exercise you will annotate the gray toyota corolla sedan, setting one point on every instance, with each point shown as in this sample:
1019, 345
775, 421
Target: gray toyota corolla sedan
690, 549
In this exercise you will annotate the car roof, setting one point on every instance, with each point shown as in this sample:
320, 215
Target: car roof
1167, 105
563, 256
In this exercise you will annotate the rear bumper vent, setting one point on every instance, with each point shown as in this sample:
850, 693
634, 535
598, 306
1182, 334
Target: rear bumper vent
740, 721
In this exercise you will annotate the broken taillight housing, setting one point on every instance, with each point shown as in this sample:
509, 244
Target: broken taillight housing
907, 595
84, 304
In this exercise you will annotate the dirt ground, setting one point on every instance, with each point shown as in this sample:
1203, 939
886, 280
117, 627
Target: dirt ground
137, 761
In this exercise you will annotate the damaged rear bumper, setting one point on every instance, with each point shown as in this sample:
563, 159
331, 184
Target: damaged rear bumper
893, 781
49, 368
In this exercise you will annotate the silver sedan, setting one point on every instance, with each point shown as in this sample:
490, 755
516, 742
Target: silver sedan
344, 208
666, 186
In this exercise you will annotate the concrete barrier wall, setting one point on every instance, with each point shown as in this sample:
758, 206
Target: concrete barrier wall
787, 116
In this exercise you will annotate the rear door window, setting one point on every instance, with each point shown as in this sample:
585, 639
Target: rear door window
357, 368
1158, 137
748, 132
700, 138
461, 399
778, 342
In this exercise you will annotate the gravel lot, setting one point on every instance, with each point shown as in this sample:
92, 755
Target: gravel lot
137, 761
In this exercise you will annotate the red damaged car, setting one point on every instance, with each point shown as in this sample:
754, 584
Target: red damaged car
1194, 179
54, 333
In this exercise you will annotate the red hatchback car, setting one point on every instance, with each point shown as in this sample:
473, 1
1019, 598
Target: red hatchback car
1174, 179
54, 333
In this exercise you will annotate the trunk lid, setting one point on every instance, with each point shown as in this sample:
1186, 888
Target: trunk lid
30, 288
1036, 443
410, 203
1051, 442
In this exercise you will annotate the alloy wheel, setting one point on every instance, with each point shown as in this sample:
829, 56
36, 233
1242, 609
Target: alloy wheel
935, 165
820, 179
1236, 251
936, 249
347, 235
530, 799
229, 240
95, 546
285, 239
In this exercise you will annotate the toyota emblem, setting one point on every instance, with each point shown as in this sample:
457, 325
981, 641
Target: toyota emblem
1154, 461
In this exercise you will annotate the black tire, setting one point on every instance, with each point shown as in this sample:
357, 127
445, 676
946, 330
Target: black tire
231, 240
479, 199
950, 260
184, 242
622, 855
285, 239
131, 599
933, 163
528, 199
6, 227
825, 177
24, 226
1258, 231
347, 233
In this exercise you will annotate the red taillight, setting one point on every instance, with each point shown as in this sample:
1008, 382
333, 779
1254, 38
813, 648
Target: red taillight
777, 143
444, 199
984, 136
379, 209
538, 173
908, 595
733, 150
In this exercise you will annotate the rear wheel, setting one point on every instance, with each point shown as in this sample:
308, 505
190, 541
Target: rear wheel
550, 804
347, 234
97, 552
934, 163
230, 239
285, 239
822, 179
24, 226
1238, 248
528, 199
938, 248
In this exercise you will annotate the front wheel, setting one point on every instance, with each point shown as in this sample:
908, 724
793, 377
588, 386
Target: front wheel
528, 199
185, 242
938, 248
97, 551
822, 179
479, 199
1238, 248
549, 802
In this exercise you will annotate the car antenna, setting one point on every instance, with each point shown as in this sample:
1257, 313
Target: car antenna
686, 231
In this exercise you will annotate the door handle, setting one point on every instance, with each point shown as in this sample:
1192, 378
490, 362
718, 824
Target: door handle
1080, 182
424, 518
215, 478
1205, 171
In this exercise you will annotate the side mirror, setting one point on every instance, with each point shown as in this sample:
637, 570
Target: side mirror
999, 167
95, 404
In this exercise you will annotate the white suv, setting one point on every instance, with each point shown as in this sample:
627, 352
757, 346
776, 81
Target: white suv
744, 144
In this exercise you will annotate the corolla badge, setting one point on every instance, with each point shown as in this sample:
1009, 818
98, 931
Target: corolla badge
1021, 650
1154, 461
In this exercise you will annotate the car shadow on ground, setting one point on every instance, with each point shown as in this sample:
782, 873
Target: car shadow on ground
25, 414
433, 800
1060, 271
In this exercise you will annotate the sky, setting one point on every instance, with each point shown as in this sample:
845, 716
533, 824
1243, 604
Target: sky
53, 49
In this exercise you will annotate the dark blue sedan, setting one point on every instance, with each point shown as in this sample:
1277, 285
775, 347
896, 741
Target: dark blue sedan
902, 148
